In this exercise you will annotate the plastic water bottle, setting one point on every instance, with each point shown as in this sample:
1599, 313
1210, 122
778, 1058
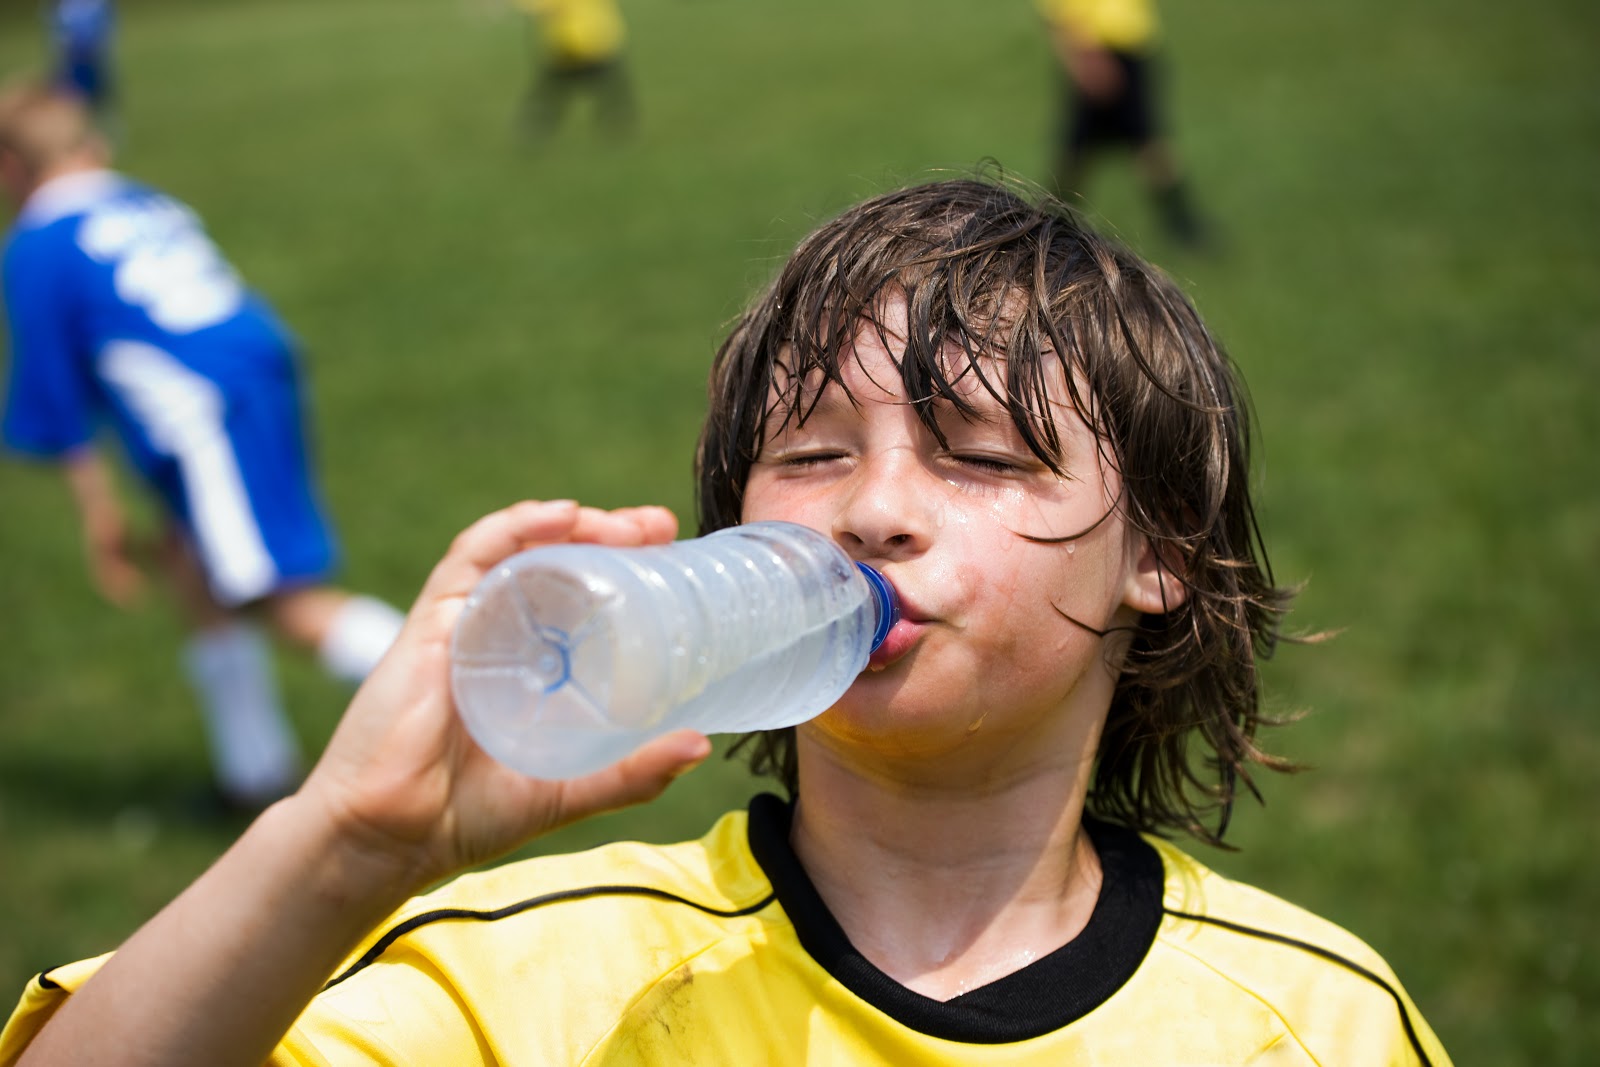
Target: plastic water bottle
567, 657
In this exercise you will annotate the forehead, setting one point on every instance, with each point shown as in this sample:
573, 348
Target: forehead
879, 358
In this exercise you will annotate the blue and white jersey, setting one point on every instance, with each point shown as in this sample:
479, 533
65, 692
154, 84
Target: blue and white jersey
120, 307
122, 311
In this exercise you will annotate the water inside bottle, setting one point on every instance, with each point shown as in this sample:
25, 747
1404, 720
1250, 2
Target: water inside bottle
568, 658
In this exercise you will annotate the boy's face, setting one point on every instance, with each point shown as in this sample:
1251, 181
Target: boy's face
983, 660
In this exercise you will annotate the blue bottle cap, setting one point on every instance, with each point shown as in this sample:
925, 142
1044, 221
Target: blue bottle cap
888, 605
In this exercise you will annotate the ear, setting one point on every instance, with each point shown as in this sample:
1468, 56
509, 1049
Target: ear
1154, 583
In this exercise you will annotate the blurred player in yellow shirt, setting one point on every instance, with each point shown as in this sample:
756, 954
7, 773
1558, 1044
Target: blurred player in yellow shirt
1108, 51
580, 45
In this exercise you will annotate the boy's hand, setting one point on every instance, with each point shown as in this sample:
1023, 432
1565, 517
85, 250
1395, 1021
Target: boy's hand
108, 546
112, 557
403, 781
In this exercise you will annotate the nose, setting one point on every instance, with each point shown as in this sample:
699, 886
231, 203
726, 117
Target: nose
886, 510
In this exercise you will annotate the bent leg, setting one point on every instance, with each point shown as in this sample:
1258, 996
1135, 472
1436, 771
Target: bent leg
348, 632
1074, 130
617, 105
255, 757
254, 753
1170, 195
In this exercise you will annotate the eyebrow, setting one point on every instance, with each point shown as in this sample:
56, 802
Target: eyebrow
983, 407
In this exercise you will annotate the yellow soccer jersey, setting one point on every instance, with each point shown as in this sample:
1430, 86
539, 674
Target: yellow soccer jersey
579, 31
720, 951
1124, 25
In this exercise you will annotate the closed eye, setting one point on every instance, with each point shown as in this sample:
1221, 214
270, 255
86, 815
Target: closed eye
987, 464
806, 459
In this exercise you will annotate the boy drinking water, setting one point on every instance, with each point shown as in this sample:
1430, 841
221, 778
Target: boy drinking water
1030, 433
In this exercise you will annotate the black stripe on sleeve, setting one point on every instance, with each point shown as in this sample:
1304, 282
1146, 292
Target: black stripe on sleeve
399, 930
45, 981
1331, 957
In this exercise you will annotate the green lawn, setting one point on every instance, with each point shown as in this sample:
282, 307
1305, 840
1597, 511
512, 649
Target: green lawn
1407, 197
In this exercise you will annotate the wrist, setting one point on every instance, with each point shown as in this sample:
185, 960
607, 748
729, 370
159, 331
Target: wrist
344, 868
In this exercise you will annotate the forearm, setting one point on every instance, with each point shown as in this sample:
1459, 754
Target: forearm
109, 553
219, 975
400, 798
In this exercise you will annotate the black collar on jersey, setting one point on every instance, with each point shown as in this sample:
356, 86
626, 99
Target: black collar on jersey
1046, 995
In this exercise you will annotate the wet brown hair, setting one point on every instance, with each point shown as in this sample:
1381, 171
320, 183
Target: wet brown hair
986, 267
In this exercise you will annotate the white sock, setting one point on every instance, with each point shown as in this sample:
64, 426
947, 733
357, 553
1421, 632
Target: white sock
360, 633
253, 748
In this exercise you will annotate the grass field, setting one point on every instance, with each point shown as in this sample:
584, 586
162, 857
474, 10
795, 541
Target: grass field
1407, 195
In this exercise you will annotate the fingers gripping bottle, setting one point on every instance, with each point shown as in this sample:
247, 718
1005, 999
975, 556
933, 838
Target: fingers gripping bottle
568, 657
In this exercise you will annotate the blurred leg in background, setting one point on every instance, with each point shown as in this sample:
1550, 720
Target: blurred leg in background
228, 660
1110, 69
250, 546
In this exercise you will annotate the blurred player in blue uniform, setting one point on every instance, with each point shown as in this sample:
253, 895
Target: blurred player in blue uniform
123, 314
81, 32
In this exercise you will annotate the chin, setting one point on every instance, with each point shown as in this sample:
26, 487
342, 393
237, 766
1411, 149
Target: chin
890, 729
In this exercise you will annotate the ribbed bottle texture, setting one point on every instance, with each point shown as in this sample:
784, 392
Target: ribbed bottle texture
567, 657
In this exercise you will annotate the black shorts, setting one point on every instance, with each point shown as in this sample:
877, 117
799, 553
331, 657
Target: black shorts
1129, 117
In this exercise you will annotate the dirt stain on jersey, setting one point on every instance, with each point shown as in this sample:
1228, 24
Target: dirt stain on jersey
658, 1026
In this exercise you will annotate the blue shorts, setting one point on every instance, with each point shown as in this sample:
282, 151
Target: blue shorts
237, 477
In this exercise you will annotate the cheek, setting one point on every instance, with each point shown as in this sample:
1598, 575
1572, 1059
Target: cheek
756, 503
766, 498
1068, 512
1032, 589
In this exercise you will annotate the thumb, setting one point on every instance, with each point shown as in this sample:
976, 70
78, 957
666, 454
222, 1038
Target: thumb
640, 776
